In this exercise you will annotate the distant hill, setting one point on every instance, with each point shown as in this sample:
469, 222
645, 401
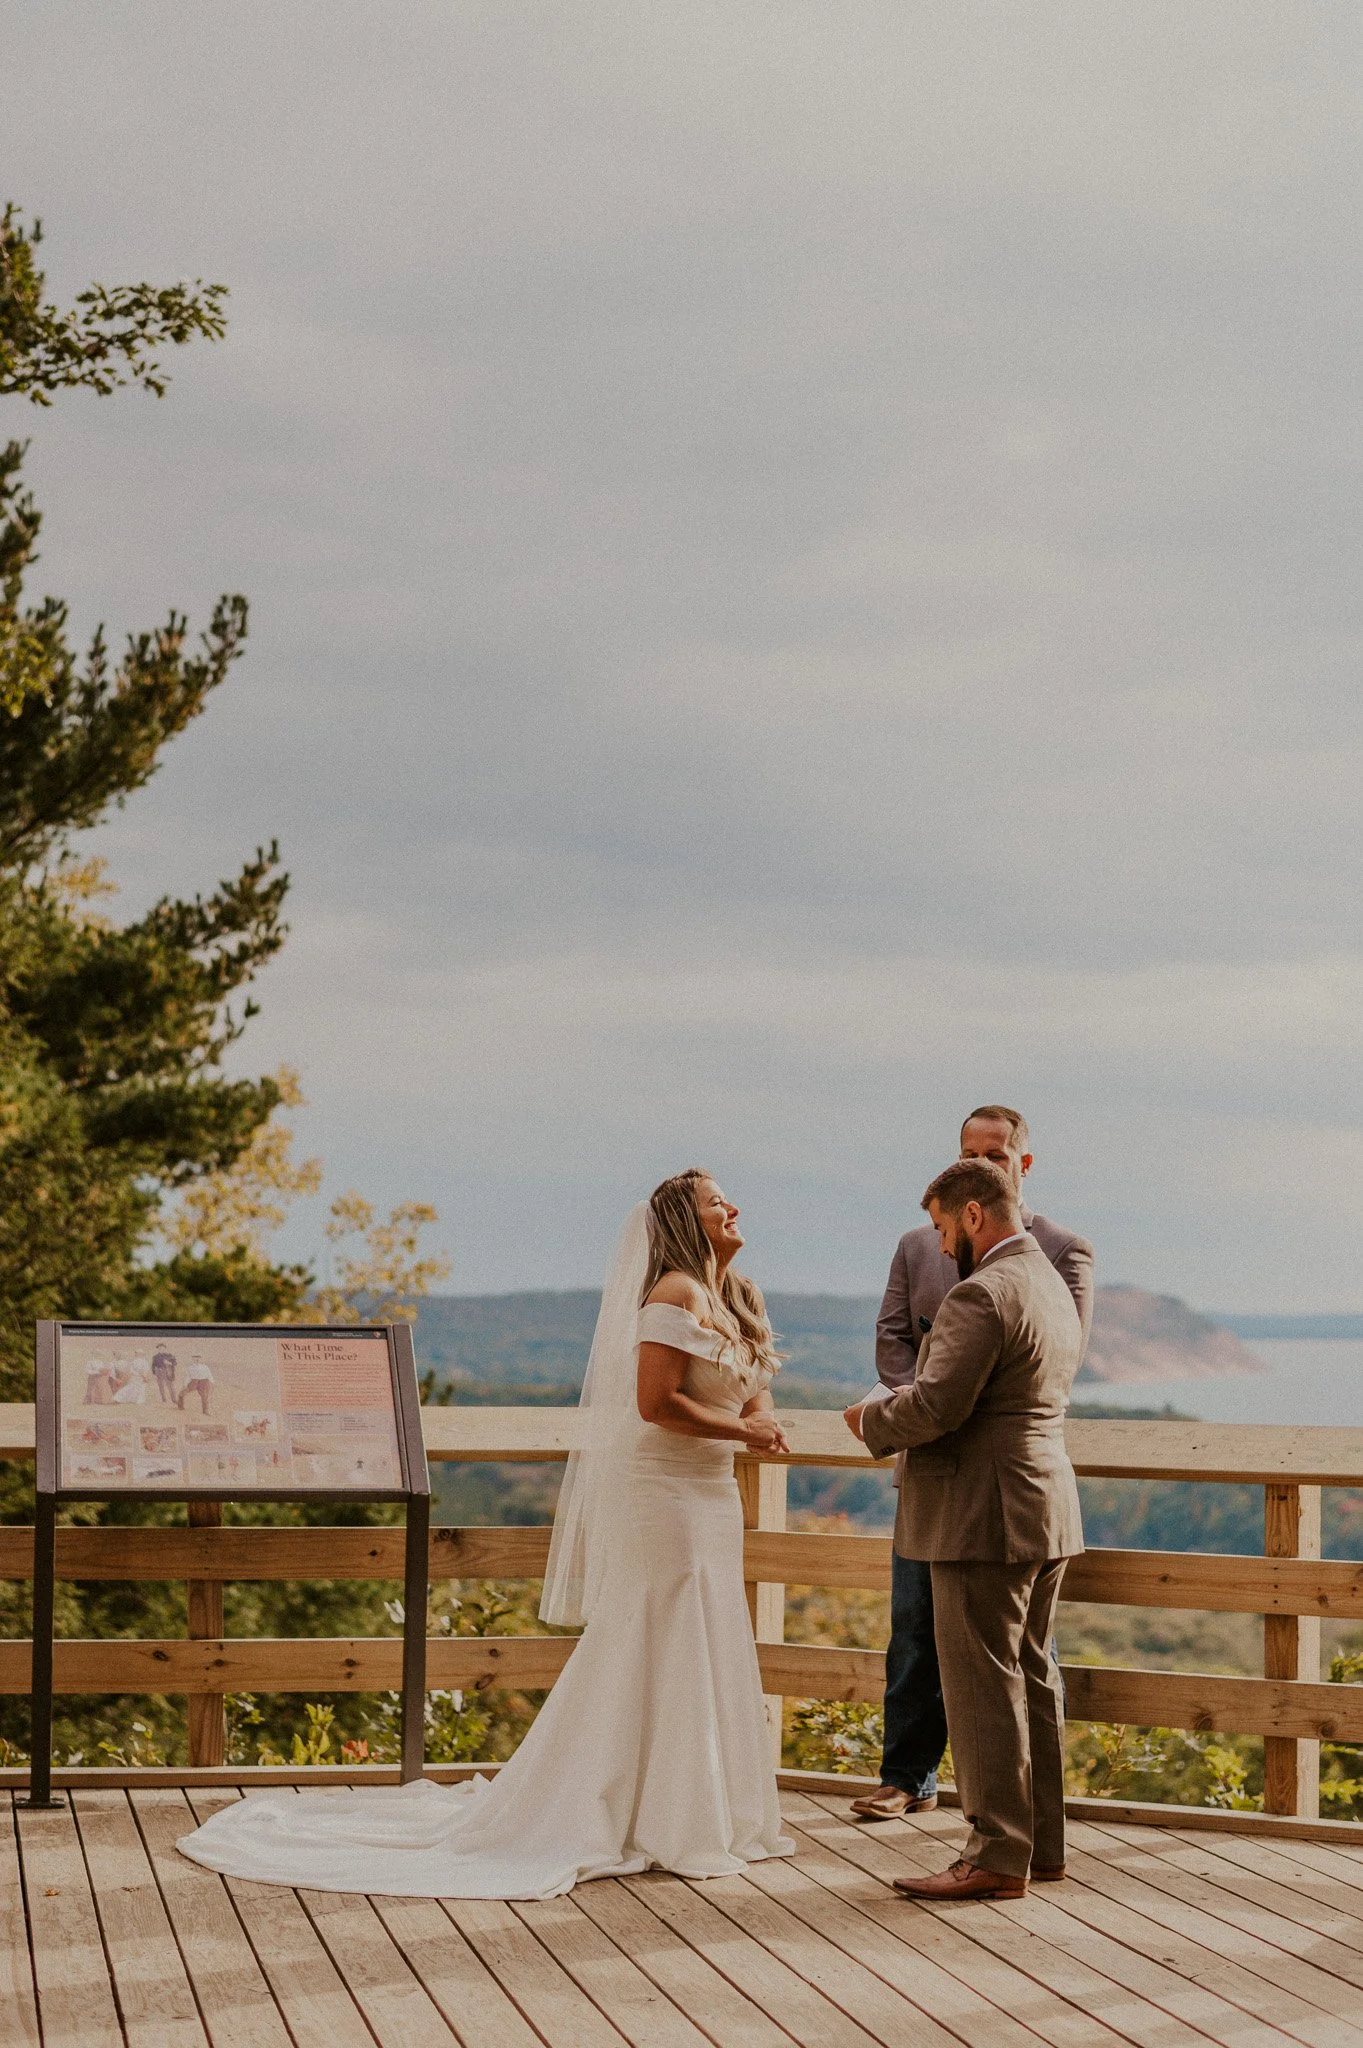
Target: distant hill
541, 1339
1141, 1336
513, 1339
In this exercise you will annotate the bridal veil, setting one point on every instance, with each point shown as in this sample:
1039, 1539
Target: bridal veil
590, 1522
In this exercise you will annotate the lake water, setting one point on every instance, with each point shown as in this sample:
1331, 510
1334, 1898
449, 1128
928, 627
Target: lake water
1309, 1380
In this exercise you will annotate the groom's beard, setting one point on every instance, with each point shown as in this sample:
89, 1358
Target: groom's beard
965, 1257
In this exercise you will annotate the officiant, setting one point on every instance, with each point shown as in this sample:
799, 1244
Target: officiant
920, 1277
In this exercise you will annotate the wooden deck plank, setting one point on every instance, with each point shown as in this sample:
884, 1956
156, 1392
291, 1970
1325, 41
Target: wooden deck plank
377, 1975
75, 1998
18, 2004
234, 1999
630, 2000
1160, 2003
965, 1943
561, 2013
845, 1982
1287, 1993
727, 2017
1181, 1939
155, 2000
308, 1989
456, 1981
1328, 1959
1181, 1963
1065, 2001
1198, 2012
1163, 1939
1015, 2005
1340, 1864
1276, 1894
858, 1918
805, 2014
1138, 1956
1160, 1932
1306, 1884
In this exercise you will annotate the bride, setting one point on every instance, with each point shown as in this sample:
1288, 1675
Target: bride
652, 1749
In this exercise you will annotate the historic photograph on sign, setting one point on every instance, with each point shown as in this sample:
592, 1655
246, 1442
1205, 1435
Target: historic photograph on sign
194, 1410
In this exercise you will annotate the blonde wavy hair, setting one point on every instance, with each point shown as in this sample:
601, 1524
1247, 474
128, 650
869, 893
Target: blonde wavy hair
678, 1244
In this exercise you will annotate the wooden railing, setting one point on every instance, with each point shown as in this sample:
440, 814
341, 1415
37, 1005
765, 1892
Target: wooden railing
1289, 1585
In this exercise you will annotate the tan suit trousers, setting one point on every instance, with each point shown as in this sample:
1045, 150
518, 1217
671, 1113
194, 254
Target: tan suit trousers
1005, 1708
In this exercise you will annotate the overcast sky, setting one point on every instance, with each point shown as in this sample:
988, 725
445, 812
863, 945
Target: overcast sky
804, 565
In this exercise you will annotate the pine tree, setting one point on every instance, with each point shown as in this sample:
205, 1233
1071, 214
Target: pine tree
113, 1100
111, 1036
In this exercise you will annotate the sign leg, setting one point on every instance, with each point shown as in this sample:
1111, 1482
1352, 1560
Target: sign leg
40, 1793
414, 1637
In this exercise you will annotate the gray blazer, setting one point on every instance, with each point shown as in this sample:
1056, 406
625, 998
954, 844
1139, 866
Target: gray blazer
983, 1419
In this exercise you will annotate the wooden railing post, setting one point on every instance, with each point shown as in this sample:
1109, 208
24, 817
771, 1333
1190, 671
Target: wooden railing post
206, 1713
1291, 1650
762, 1490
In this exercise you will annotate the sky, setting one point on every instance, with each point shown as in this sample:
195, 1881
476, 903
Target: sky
803, 566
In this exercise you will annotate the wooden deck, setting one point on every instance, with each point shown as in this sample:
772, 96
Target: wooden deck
1157, 1937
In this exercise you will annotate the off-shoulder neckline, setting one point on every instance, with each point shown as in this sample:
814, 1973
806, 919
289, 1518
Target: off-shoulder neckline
676, 1309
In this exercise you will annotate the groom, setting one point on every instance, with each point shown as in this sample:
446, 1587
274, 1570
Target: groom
989, 1497
920, 1276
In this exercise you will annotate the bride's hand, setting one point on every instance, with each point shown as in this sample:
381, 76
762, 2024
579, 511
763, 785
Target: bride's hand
762, 1432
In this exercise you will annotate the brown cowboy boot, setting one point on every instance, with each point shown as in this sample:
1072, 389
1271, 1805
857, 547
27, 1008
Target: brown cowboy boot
888, 1802
964, 1880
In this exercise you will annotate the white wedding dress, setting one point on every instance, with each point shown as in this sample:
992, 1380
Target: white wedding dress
651, 1751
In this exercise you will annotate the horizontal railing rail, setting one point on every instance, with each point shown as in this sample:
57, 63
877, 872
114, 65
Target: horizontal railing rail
1290, 1585
1207, 1581
1253, 1452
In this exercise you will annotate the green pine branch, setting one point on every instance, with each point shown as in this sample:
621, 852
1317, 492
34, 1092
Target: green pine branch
107, 339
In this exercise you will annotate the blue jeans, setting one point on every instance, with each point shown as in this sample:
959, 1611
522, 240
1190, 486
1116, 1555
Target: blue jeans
915, 1719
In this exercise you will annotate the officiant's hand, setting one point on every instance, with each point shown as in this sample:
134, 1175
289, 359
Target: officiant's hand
852, 1417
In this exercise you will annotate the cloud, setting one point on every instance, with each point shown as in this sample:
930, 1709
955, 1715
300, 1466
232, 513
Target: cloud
803, 574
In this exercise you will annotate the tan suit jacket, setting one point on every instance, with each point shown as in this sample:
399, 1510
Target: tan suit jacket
988, 1476
921, 1277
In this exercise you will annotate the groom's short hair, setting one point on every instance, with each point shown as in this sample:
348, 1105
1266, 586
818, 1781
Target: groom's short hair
971, 1180
999, 1113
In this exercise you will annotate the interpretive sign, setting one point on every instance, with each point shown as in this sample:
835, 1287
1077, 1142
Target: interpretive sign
220, 1411
179, 1411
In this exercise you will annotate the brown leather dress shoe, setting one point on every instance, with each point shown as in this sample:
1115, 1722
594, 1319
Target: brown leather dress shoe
1046, 1873
889, 1803
964, 1880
